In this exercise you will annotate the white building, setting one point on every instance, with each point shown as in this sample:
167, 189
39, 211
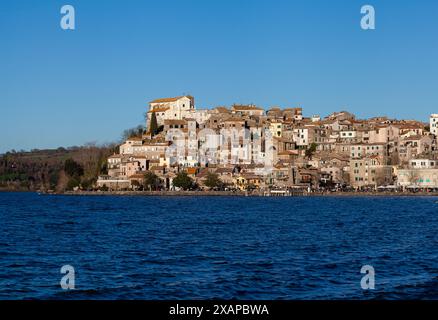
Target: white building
434, 124
200, 116
301, 136
315, 118
350, 134
423, 164
419, 178
176, 108
130, 144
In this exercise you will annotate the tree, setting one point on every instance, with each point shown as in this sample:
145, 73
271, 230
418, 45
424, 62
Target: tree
103, 168
151, 181
53, 179
132, 132
183, 181
311, 150
73, 183
213, 181
73, 169
153, 126
135, 184
87, 184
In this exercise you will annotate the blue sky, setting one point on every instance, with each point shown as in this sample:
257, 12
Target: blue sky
63, 88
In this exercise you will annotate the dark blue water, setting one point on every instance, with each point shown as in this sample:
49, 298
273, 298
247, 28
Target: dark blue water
217, 247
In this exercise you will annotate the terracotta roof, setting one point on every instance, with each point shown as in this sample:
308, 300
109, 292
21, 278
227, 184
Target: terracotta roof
175, 121
156, 168
416, 137
224, 170
296, 111
203, 173
156, 143
191, 170
222, 109
243, 107
164, 100
134, 139
408, 126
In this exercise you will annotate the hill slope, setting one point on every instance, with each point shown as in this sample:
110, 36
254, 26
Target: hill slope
44, 169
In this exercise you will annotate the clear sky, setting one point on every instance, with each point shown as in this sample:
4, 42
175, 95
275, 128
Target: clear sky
63, 88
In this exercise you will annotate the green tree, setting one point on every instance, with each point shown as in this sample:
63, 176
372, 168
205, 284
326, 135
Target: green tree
88, 183
213, 181
53, 179
73, 169
151, 181
135, 184
183, 181
73, 183
103, 168
153, 126
311, 150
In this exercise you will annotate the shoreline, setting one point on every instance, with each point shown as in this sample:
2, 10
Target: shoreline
239, 194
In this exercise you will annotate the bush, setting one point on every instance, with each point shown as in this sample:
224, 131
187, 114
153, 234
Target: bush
73, 183
151, 181
213, 181
183, 181
73, 169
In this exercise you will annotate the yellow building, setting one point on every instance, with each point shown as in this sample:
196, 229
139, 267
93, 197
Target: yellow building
245, 182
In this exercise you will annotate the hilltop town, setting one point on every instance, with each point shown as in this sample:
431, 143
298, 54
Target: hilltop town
248, 148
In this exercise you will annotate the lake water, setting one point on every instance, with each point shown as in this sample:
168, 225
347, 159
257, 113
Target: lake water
217, 247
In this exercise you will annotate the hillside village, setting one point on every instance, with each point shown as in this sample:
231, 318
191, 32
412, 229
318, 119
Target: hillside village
246, 147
